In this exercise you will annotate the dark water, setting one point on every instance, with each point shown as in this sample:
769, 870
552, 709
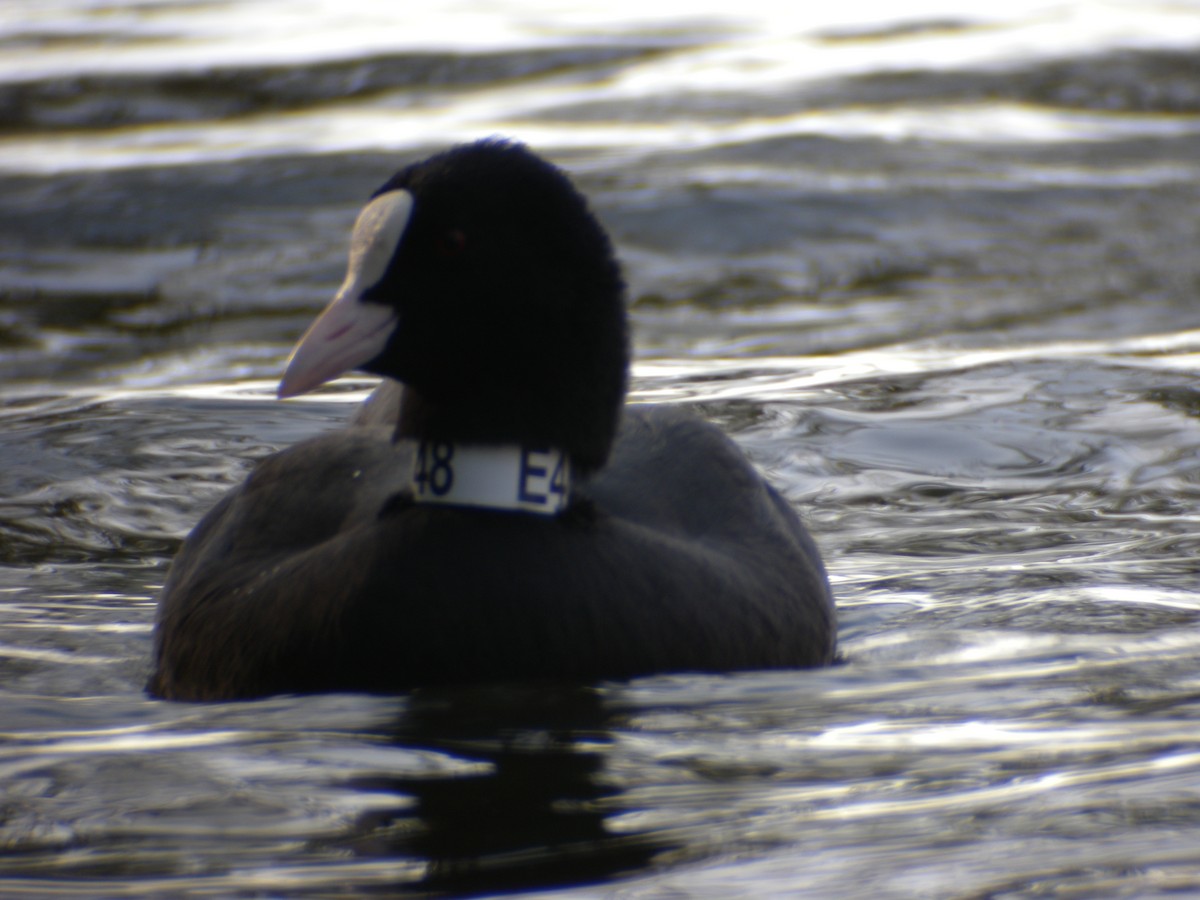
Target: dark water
937, 272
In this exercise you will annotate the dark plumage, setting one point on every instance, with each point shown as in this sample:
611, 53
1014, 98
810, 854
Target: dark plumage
481, 281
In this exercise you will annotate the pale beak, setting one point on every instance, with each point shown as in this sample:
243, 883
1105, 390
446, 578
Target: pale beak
351, 331
347, 335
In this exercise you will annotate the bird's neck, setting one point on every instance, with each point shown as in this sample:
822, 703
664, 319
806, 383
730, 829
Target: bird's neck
454, 464
544, 423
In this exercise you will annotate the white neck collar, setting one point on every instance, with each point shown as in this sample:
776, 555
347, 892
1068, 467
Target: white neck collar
492, 476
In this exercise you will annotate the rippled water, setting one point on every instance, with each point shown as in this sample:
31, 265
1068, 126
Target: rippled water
935, 269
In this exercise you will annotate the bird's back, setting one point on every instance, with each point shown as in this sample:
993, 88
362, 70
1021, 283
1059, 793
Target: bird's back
320, 573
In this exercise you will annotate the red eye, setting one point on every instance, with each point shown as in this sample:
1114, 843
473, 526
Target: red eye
451, 243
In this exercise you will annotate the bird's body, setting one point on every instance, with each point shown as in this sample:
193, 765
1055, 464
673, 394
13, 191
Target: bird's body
656, 548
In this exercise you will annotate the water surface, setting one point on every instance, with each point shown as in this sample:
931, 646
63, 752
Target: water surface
934, 269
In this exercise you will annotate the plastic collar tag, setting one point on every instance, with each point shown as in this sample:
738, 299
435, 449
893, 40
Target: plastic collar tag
492, 476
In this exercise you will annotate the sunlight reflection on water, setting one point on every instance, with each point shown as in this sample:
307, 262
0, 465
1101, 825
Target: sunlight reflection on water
757, 48
934, 270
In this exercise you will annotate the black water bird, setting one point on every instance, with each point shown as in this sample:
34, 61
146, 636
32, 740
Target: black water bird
496, 512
